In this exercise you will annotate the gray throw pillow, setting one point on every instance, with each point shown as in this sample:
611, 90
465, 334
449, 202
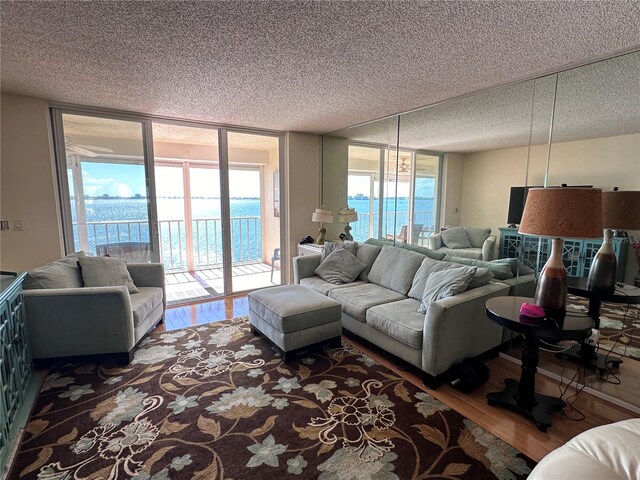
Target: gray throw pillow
378, 242
105, 272
517, 268
367, 254
445, 283
340, 266
331, 246
58, 274
428, 266
482, 277
423, 251
455, 237
477, 236
501, 271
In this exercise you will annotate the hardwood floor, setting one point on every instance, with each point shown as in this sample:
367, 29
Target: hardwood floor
510, 426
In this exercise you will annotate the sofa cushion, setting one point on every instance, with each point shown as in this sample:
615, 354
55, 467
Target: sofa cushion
501, 271
356, 300
144, 302
482, 277
319, 285
340, 266
477, 236
399, 320
395, 268
445, 283
367, 254
378, 242
455, 237
423, 250
105, 271
62, 273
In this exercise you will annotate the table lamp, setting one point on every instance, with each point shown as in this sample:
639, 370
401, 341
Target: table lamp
347, 215
620, 211
321, 216
559, 213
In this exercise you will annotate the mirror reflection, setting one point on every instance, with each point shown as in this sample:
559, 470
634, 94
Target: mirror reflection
468, 162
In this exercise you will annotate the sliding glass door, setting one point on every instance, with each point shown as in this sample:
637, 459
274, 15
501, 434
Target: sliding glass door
105, 180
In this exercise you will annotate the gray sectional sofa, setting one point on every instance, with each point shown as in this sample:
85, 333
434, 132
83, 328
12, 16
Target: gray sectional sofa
382, 304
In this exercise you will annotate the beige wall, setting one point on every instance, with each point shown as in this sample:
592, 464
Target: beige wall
27, 185
335, 153
603, 162
302, 181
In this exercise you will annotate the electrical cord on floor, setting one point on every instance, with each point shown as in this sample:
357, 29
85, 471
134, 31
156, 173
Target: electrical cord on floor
563, 349
570, 401
607, 363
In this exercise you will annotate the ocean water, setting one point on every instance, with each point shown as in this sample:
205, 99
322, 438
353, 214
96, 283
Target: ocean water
246, 228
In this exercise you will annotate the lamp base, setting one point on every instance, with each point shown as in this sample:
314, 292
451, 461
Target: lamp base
321, 233
347, 233
551, 290
602, 274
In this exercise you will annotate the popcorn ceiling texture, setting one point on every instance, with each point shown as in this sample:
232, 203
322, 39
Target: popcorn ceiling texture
302, 66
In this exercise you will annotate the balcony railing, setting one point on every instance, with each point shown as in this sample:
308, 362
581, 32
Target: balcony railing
367, 227
180, 249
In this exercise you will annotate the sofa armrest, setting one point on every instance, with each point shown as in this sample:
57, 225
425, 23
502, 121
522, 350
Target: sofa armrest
435, 241
488, 248
304, 266
457, 327
79, 321
149, 275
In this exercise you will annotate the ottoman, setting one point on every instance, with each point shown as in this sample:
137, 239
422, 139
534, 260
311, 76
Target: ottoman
294, 317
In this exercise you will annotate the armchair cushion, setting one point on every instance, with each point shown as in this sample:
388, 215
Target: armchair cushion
477, 236
63, 273
144, 302
105, 271
455, 237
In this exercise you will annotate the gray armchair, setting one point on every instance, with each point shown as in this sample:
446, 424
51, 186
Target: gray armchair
66, 322
466, 242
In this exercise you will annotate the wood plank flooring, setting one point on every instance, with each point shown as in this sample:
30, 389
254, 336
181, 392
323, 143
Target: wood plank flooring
511, 427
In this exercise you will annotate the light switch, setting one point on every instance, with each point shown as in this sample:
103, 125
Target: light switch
17, 225
4, 224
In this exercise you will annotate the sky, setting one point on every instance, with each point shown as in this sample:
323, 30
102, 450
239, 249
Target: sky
128, 180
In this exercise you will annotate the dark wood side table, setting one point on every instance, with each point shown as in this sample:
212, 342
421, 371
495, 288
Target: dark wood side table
521, 395
586, 354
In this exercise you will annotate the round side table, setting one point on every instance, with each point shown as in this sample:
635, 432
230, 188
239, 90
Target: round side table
521, 395
586, 354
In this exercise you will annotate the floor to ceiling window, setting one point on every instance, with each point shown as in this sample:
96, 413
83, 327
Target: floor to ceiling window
154, 190
407, 181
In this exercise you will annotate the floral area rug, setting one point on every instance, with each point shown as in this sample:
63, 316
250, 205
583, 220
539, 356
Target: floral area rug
215, 402
619, 326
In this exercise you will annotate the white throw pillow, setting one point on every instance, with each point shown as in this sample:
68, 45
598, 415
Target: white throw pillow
446, 283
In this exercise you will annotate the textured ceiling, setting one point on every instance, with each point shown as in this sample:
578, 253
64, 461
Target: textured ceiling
594, 101
302, 66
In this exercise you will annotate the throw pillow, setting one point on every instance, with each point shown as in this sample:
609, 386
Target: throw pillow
477, 236
428, 266
500, 271
340, 266
455, 237
517, 268
331, 246
423, 251
445, 283
378, 242
367, 254
58, 274
105, 272
482, 277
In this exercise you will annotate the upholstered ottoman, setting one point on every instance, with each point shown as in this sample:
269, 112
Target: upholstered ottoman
294, 317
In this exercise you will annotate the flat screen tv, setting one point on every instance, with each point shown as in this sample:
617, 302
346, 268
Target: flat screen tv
517, 198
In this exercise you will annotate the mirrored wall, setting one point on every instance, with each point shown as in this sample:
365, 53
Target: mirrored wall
468, 161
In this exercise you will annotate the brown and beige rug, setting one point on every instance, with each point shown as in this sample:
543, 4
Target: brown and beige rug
215, 402
619, 326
